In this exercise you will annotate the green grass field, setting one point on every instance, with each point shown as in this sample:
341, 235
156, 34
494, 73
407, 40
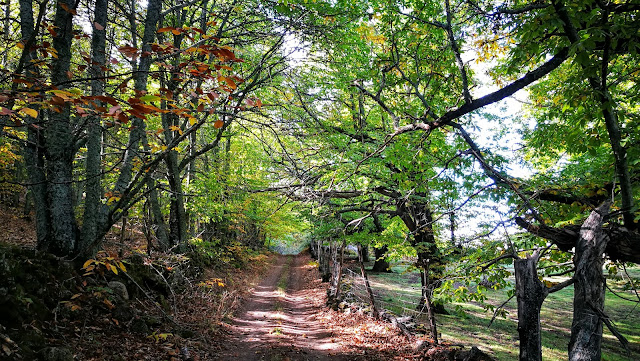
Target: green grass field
399, 291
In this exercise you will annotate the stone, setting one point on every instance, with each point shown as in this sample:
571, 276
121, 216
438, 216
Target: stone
56, 354
119, 290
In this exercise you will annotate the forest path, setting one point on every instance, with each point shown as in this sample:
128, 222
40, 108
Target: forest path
279, 321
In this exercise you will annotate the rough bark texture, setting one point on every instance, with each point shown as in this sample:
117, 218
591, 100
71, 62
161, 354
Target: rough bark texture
417, 216
530, 293
589, 288
59, 145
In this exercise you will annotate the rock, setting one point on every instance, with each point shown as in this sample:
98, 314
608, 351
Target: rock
123, 312
152, 321
421, 345
119, 290
56, 354
139, 326
186, 333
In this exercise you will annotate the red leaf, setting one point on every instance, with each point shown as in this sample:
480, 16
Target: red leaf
98, 26
56, 100
123, 118
218, 124
106, 99
66, 8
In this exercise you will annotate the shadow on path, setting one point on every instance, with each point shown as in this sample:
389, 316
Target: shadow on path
280, 324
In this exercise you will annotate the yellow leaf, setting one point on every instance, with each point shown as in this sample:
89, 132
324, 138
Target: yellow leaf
86, 264
30, 112
113, 268
122, 267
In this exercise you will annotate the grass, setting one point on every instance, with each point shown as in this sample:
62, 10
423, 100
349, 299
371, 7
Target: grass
400, 292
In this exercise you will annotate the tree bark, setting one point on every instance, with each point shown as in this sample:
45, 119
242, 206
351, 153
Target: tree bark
34, 151
337, 273
372, 300
380, 263
89, 242
530, 293
589, 288
324, 257
426, 300
59, 145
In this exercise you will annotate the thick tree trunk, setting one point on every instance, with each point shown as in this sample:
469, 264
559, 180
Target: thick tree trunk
530, 293
59, 146
417, 216
589, 288
381, 264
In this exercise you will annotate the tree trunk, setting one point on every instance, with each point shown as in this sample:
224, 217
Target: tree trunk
34, 160
337, 273
157, 219
426, 301
59, 145
89, 242
365, 253
324, 257
589, 288
372, 300
34, 151
530, 293
137, 133
380, 263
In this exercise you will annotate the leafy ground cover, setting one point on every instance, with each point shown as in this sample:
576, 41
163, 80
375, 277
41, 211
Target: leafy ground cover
397, 290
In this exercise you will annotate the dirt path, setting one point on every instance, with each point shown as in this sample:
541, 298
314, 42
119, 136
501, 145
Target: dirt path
279, 321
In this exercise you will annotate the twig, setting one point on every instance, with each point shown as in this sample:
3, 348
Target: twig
151, 299
614, 330
495, 313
